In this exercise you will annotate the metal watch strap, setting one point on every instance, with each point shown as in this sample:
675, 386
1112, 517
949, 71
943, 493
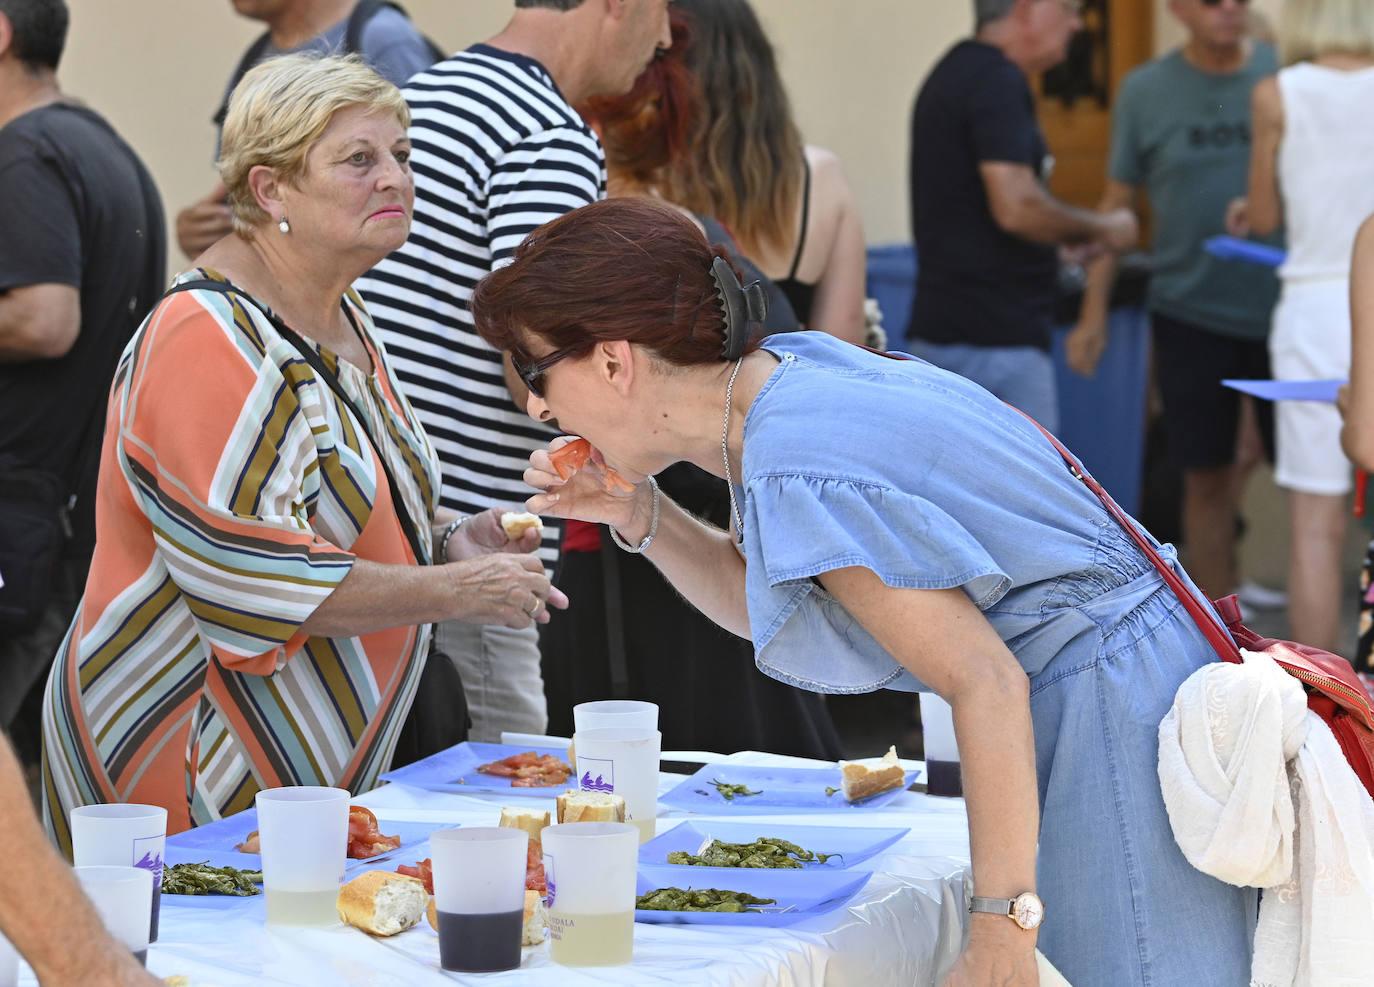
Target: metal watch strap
993, 906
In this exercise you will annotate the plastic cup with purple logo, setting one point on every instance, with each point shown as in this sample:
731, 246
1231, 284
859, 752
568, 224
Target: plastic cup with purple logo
123, 835
605, 714
9, 964
479, 893
304, 836
122, 897
590, 869
622, 761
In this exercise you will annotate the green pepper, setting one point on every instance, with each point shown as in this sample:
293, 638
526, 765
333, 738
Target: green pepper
203, 878
699, 900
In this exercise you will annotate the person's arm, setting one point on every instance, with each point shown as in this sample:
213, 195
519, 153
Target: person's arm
1084, 344
538, 180
698, 559
38, 322
204, 222
1261, 211
947, 643
1357, 433
838, 305
42, 910
1023, 207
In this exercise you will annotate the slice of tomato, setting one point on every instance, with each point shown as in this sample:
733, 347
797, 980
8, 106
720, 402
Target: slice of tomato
570, 457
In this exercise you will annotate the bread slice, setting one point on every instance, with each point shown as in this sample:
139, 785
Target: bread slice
517, 524
530, 820
531, 932
382, 902
590, 807
864, 779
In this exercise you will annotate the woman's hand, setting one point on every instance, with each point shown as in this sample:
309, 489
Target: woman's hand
995, 957
502, 589
482, 534
584, 496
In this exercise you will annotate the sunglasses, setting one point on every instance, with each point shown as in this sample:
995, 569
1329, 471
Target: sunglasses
533, 373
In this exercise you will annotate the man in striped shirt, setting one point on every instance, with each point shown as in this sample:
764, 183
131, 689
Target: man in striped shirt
497, 150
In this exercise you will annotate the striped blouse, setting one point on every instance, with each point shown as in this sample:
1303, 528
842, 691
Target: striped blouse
235, 492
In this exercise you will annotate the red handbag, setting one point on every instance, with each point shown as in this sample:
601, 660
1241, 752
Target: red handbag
1334, 691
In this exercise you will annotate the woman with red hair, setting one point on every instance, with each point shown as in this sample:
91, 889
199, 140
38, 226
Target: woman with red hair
950, 550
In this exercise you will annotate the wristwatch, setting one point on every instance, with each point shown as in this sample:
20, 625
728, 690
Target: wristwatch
1026, 909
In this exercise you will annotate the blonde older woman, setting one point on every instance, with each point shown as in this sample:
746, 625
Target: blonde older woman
257, 608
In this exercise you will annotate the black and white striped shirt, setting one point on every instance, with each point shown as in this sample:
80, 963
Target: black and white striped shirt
497, 152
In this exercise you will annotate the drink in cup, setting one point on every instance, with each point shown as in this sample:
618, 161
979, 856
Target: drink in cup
122, 897
590, 869
622, 761
479, 893
304, 836
123, 835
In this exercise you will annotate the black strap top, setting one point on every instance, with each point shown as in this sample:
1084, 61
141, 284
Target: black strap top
800, 294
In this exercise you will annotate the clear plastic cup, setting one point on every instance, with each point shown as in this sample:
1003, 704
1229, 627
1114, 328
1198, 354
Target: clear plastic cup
122, 897
607, 714
623, 761
479, 893
304, 836
9, 964
123, 835
590, 868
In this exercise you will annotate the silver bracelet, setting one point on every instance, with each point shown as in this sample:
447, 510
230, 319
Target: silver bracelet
643, 546
453, 526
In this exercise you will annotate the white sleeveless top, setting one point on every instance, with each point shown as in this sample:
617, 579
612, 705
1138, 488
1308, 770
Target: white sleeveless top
1325, 166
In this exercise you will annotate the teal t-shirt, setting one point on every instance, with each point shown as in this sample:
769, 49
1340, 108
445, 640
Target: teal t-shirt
1184, 134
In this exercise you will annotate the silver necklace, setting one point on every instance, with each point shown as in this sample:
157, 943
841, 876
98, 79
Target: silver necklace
725, 448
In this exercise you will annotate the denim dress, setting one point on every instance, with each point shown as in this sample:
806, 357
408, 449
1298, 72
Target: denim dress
855, 459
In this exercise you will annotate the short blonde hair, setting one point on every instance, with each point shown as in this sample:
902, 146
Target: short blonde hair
1313, 28
279, 110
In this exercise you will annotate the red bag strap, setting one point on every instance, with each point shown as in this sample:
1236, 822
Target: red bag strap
1205, 619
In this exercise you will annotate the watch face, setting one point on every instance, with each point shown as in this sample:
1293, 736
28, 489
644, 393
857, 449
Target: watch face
1028, 911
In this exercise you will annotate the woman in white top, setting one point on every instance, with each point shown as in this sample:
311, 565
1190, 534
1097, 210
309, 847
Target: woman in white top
1312, 167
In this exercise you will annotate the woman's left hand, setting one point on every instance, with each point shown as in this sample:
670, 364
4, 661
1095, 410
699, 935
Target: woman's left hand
1003, 960
482, 534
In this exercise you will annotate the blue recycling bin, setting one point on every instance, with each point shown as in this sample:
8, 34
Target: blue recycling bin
1101, 418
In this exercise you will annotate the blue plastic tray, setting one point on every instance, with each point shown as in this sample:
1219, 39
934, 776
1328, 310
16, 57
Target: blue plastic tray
853, 845
824, 891
214, 843
780, 790
455, 771
1234, 248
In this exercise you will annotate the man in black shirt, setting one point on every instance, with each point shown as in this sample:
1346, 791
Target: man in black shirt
82, 260
986, 228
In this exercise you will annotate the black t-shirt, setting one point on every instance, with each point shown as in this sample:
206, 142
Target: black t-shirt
77, 207
975, 283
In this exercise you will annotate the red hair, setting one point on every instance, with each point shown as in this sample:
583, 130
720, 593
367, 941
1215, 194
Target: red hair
647, 129
632, 269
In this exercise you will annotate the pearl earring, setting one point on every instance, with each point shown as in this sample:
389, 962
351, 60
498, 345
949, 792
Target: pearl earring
284, 226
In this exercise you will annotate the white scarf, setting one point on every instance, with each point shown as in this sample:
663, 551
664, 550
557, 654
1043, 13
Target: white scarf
1260, 795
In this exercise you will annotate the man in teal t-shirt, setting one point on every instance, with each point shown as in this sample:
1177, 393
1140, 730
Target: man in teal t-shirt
1181, 130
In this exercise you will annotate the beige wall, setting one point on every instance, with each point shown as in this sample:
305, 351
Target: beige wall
157, 68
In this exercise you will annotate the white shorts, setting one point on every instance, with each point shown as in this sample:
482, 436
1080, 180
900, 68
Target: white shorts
1311, 341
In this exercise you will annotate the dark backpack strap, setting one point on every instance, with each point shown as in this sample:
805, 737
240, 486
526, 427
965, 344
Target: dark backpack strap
250, 58
363, 13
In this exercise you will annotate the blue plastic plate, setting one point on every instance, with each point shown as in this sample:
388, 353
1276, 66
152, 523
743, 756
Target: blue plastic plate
455, 771
1234, 248
852, 844
214, 843
780, 790
823, 892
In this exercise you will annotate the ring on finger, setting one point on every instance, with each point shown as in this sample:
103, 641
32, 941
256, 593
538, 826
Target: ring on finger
534, 610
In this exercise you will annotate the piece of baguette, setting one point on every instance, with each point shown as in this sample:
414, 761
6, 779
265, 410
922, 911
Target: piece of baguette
382, 902
530, 820
531, 932
864, 779
590, 807
517, 524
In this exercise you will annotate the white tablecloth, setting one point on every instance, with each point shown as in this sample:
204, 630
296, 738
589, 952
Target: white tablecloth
902, 928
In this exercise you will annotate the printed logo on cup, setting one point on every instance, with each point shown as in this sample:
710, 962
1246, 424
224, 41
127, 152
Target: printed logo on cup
598, 774
147, 853
549, 880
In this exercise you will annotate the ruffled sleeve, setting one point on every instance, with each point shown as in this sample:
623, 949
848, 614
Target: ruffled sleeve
797, 527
